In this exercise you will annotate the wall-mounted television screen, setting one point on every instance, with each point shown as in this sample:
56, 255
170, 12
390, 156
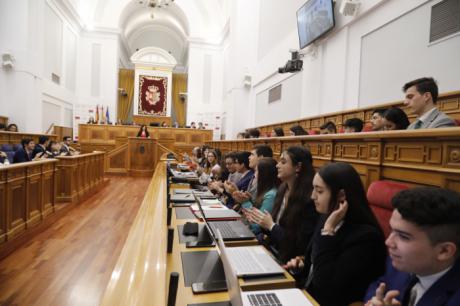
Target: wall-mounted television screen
314, 19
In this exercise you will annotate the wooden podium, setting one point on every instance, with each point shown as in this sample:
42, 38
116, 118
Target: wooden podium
144, 154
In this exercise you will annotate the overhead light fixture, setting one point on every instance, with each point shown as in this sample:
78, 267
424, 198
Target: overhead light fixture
155, 4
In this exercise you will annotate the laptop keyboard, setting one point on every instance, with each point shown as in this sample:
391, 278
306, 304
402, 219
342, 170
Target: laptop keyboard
225, 229
264, 299
246, 260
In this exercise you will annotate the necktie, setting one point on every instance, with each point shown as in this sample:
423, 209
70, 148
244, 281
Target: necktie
418, 124
411, 293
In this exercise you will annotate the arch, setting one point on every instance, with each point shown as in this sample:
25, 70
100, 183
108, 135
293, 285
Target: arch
153, 56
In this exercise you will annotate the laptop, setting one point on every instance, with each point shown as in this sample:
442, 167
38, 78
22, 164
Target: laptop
230, 230
279, 297
216, 215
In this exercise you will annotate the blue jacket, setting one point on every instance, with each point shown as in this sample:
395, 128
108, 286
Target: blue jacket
445, 292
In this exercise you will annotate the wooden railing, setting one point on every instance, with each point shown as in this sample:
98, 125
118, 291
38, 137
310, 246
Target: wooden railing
139, 277
108, 137
15, 138
416, 157
447, 102
27, 196
116, 161
79, 176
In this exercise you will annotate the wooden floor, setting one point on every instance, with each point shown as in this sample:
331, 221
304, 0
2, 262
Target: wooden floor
70, 263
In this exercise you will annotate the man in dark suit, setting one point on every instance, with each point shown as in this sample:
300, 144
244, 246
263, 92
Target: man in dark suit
65, 147
40, 148
421, 97
424, 248
24, 154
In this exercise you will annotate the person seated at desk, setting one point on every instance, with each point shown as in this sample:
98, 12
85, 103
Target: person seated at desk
253, 133
258, 152
24, 154
297, 130
242, 166
377, 122
205, 174
91, 120
424, 247
266, 176
277, 132
164, 124
54, 149
293, 219
40, 147
421, 96
233, 176
4, 159
2, 127
347, 251
12, 128
200, 126
143, 132
353, 125
328, 128
193, 125
66, 149
395, 119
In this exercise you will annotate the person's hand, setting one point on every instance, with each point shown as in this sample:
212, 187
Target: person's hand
264, 219
241, 196
2, 154
296, 263
230, 187
336, 217
382, 299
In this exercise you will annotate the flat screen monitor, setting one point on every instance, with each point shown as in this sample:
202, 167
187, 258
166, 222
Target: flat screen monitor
314, 19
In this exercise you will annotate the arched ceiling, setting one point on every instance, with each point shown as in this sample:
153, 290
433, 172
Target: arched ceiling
170, 29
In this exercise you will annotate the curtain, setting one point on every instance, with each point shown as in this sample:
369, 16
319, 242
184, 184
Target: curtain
179, 106
125, 101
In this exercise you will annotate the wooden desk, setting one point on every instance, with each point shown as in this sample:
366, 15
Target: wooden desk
79, 176
146, 120
27, 196
141, 275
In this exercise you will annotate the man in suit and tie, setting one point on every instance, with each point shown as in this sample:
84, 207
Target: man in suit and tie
66, 150
421, 97
40, 147
424, 249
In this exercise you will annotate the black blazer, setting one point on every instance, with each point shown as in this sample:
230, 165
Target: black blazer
21, 156
345, 264
288, 243
38, 149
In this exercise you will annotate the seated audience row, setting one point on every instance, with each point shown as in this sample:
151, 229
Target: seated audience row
10, 128
421, 96
320, 225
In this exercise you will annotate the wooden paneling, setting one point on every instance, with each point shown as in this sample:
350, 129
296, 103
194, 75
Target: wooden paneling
26, 196
79, 176
108, 137
61, 131
15, 138
447, 102
146, 120
422, 157
4, 120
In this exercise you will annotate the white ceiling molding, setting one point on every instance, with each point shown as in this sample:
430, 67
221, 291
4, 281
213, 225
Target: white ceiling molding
154, 57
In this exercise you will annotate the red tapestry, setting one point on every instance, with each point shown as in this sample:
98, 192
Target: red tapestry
152, 95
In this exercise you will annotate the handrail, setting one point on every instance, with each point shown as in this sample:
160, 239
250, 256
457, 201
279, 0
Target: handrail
139, 277
49, 129
176, 155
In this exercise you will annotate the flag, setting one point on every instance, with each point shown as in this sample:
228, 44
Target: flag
102, 115
107, 116
96, 119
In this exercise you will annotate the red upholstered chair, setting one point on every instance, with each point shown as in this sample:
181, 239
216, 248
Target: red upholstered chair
457, 122
379, 196
313, 132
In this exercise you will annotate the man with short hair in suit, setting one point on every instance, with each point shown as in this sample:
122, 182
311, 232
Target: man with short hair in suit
421, 98
424, 248
65, 148
40, 147
24, 154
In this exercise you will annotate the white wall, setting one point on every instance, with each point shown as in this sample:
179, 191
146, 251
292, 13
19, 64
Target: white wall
351, 63
44, 39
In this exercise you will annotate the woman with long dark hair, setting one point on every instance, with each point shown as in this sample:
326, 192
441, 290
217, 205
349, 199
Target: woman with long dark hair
143, 132
292, 222
347, 251
266, 176
395, 119
297, 130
